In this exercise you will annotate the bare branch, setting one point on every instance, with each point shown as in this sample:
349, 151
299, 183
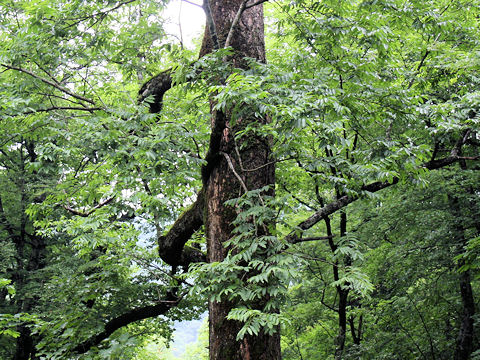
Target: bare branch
91, 211
240, 11
53, 108
192, 3
314, 238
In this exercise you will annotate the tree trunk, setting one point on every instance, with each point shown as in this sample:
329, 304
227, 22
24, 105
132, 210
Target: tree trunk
465, 336
222, 184
464, 346
342, 293
25, 345
342, 322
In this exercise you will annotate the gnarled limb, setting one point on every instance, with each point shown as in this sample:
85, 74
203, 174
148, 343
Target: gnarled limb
156, 87
127, 318
171, 246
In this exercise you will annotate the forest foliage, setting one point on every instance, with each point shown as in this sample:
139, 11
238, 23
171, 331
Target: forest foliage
374, 110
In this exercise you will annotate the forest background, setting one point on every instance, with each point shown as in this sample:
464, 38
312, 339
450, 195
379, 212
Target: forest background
316, 187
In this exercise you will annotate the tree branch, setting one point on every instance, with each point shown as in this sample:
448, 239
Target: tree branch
49, 82
91, 211
156, 87
59, 108
171, 246
313, 238
127, 318
296, 235
192, 3
255, 4
230, 165
240, 11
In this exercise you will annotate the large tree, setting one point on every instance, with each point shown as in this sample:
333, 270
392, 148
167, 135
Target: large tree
237, 25
351, 104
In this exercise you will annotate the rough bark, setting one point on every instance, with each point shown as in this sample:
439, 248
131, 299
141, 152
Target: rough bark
222, 183
155, 88
246, 37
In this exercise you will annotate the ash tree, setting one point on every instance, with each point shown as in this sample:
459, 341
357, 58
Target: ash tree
112, 130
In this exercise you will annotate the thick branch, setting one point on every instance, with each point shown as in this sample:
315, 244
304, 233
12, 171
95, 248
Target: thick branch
171, 246
213, 153
296, 235
123, 320
156, 87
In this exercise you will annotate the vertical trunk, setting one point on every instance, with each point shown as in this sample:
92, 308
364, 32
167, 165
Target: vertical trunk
25, 345
356, 334
222, 183
30, 256
342, 322
342, 296
465, 338
464, 346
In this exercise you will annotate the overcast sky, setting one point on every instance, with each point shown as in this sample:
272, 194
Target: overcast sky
190, 17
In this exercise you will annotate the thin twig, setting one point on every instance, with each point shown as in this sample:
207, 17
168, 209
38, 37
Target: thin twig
314, 238
192, 3
59, 108
91, 211
238, 155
